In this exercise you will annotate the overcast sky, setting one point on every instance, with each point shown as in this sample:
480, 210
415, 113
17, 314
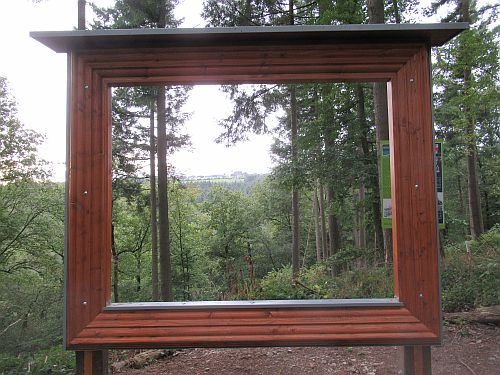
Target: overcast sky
37, 78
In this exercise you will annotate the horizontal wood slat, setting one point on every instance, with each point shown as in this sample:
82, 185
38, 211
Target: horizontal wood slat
221, 341
245, 318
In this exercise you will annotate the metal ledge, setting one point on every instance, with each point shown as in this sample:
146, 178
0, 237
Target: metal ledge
65, 41
261, 304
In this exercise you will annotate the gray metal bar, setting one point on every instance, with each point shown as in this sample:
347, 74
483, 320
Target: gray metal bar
267, 304
64, 41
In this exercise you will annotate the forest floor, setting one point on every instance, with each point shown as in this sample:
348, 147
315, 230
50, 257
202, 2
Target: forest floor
468, 349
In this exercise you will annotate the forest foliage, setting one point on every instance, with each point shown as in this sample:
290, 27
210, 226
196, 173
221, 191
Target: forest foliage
233, 239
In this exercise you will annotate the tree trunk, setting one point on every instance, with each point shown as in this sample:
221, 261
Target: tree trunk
376, 15
154, 208
359, 219
476, 217
462, 204
317, 227
138, 272
484, 315
376, 11
322, 216
164, 236
114, 254
182, 252
81, 14
475, 214
373, 175
295, 193
395, 9
333, 223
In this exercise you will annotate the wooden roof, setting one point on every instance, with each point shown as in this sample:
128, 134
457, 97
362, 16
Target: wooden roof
66, 41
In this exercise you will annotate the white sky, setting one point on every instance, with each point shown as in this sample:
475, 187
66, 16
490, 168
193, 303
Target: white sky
37, 79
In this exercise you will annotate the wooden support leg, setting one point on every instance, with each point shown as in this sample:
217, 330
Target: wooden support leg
92, 362
417, 360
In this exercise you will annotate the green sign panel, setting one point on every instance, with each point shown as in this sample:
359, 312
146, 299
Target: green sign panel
385, 184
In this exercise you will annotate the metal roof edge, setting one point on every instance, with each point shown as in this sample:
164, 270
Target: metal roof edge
66, 41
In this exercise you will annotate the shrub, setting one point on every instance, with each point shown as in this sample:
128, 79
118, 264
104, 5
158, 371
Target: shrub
471, 273
54, 360
317, 282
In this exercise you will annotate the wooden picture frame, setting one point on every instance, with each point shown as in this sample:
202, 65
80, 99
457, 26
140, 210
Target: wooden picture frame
396, 54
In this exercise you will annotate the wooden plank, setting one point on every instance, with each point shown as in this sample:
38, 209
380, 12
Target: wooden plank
283, 53
108, 323
260, 313
414, 195
417, 360
92, 362
217, 341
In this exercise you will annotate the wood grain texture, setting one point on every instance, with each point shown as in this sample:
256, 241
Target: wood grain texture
284, 63
253, 327
88, 280
414, 192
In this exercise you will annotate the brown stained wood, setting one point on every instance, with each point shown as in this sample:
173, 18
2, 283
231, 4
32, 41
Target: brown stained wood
241, 327
417, 360
92, 362
149, 320
313, 313
122, 323
414, 200
242, 330
268, 58
221, 341
93, 73
276, 54
77, 230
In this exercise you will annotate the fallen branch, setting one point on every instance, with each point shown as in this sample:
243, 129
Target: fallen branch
10, 325
485, 315
298, 283
140, 360
467, 366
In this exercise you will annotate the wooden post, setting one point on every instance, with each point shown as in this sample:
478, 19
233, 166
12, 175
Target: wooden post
417, 360
92, 362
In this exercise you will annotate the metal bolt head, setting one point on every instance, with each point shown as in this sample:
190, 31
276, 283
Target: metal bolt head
416, 186
412, 80
84, 303
86, 87
85, 192
420, 296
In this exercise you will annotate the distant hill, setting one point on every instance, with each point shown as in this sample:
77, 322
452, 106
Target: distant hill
238, 181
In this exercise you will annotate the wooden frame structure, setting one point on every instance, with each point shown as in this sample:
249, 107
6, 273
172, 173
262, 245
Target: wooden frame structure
397, 54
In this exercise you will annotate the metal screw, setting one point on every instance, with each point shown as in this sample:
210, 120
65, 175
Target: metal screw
416, 186
420, 295
86, 87
412, 80
85, 192
84, 303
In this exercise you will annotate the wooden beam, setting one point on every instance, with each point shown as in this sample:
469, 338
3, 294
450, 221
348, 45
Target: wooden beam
92, 362
417, 360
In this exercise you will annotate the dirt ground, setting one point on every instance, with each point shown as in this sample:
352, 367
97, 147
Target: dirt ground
472, 349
